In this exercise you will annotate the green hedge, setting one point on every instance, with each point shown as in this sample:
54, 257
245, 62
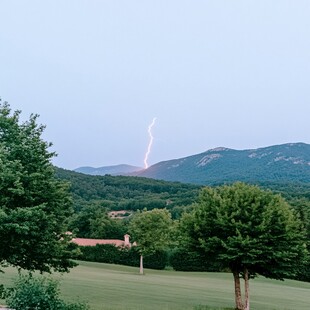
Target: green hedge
109, 253
185, 260
101, 253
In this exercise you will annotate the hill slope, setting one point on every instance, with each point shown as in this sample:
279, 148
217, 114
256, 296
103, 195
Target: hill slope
126, 192
113, 170
279, 163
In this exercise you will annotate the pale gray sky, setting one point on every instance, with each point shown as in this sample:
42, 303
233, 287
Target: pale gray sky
214, 73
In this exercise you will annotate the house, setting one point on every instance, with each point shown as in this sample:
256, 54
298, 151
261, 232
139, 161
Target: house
119, 214
93, 242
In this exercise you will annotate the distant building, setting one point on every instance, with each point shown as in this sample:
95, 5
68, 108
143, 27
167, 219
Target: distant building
119, 214
93, 242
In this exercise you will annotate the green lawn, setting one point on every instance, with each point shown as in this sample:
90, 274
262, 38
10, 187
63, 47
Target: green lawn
115, 287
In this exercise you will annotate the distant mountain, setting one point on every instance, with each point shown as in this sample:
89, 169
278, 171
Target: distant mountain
278, 163
112, 170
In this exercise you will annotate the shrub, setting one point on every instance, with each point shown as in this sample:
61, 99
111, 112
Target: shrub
129, 257
158, 260
184, 260
110, 254
39, 293
101, 253
2, 291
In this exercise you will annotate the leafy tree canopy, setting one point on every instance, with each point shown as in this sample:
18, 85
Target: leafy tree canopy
34, 205
151, 230
248, 230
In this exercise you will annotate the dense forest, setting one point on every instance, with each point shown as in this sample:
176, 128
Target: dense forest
127, 193
134, 193
94, 196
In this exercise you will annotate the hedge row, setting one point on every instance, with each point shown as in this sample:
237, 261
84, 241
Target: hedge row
109, 253
180, 259
185, 260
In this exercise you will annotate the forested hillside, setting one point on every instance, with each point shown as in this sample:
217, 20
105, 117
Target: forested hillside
136, 193
127, 193
133, 193
95, 196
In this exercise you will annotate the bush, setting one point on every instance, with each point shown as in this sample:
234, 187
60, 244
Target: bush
158, 260
101, 253
110, 254
303, 272
39, 293
128, 257
2, 291
185, 260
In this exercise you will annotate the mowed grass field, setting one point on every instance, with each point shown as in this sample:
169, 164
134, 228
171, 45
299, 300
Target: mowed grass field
113, 287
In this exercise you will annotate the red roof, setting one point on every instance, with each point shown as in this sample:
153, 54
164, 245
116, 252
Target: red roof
93, 242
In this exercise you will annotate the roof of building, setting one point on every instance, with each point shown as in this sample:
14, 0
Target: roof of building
93, 242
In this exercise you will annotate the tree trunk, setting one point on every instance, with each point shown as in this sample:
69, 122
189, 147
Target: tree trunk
246, 290
238, 296
141, 264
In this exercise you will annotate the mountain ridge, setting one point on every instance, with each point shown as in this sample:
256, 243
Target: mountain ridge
283, 162
112, 170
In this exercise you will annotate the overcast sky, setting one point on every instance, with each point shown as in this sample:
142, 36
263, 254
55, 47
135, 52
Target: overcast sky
214, 73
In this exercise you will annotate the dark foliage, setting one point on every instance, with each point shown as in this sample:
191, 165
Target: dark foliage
185, 260
39, 293
94, 222
110, 254
127, 193
34, 205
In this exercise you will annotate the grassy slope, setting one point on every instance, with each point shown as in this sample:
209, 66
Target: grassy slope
119, 287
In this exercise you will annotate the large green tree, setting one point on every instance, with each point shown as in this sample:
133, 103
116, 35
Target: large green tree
151, 230
34, 205
249, 231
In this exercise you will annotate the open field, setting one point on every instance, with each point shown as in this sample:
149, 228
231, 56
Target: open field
112, 287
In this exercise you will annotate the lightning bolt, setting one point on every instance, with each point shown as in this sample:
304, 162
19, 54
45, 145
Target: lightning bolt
149, 130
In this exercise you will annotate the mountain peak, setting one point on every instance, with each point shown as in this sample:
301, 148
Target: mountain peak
219, 149
285, 162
